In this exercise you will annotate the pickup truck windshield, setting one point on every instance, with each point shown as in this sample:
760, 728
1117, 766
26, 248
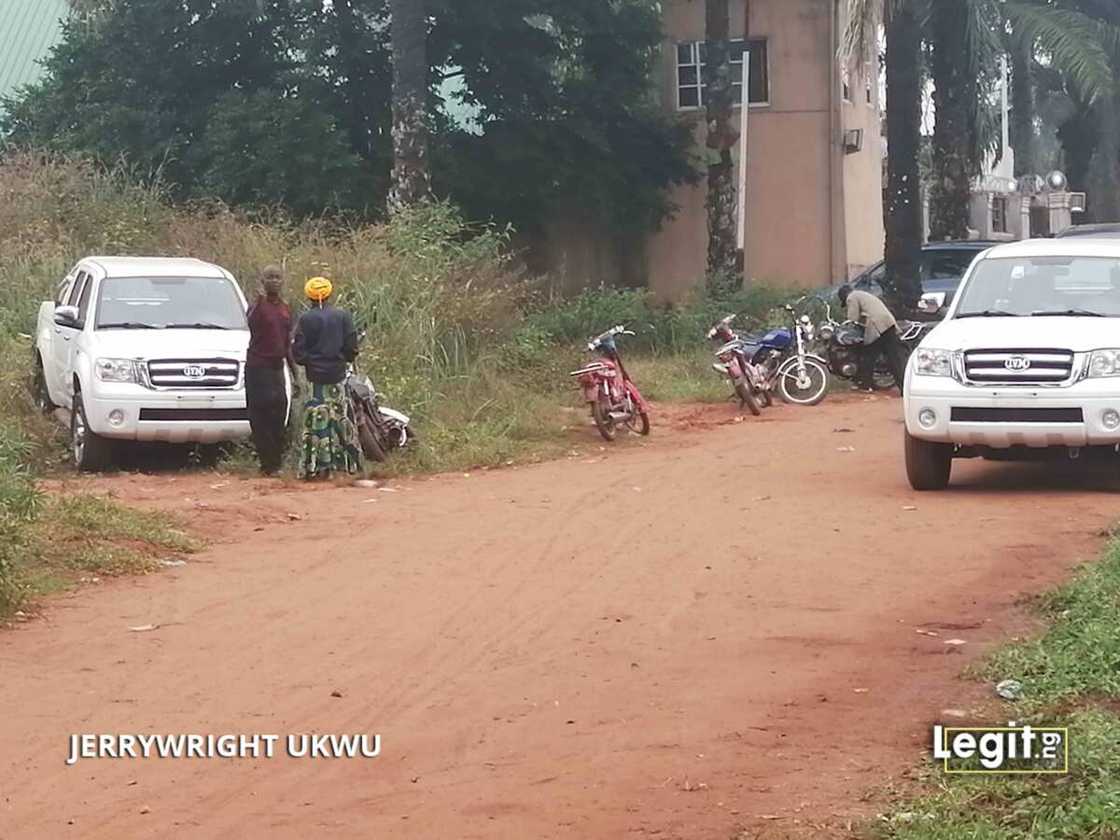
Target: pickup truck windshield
169, 303
1043, 286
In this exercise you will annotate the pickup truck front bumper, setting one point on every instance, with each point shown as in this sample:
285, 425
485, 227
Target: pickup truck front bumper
940, 409
133, 412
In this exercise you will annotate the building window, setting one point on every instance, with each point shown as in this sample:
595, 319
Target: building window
999, 214
691, 62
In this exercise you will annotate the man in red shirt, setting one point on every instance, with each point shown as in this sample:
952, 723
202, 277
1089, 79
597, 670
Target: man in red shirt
270, 329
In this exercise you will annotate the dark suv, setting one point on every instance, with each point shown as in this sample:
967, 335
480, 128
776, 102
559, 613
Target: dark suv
1108, 230
942, 267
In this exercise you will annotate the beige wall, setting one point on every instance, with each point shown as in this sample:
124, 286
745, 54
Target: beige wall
863, 178
791, 184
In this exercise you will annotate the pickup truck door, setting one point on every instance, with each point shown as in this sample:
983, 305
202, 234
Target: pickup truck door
63, 343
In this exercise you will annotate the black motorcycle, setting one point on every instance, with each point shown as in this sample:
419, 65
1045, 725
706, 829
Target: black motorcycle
843, 343
380, 429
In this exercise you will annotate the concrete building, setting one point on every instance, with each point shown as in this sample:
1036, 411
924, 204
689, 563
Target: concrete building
814, 155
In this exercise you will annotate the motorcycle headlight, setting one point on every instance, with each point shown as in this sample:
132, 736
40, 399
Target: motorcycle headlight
827, 332
929, 362
117, 370
1104, 363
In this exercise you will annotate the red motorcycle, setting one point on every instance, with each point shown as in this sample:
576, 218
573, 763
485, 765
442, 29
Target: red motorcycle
609, 390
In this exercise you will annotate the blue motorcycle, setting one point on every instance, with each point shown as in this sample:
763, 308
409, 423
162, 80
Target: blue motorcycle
778, 360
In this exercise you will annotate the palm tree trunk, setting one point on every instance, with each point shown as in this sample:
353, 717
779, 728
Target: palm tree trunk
1022, 106
411, 182
723, 252
955, 97
1104, 172
904, 121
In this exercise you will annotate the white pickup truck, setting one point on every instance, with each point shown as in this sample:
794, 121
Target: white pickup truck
143, 349
1025, 364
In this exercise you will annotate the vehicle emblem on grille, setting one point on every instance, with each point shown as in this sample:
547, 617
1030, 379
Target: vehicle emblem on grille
194, 371
1017, 363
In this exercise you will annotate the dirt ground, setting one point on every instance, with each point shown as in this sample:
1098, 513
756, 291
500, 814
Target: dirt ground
733, 626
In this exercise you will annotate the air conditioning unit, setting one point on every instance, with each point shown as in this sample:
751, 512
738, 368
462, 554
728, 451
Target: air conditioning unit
853, 141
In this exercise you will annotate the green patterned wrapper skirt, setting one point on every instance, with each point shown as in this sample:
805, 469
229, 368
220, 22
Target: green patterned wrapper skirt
329, 437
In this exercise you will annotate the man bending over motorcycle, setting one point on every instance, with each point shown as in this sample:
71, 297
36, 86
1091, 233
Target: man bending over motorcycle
880, 336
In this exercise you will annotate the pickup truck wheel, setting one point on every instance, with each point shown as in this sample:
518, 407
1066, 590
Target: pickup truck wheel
91, 451
928, 464
39, 391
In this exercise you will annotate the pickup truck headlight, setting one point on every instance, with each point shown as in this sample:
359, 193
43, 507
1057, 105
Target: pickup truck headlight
929, 362
117, 370
1104, 363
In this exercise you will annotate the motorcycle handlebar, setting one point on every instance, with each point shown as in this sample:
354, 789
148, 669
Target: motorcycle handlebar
611, 333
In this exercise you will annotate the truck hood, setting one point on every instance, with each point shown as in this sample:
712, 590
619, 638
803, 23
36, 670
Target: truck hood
172, 344
1076, 334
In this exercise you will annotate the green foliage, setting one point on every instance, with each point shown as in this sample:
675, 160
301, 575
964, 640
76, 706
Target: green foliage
1067, 673
1080, 655
287, 102
659, 328
1081, 806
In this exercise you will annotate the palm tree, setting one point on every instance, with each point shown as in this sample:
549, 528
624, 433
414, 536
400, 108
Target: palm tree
1081, 40
411, 181
723, 257
903, 21
962, 51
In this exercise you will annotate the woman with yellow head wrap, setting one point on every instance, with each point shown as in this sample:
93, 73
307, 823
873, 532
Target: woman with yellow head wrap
325, 343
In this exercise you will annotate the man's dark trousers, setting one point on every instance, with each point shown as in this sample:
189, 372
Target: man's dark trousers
268, 409
889, 345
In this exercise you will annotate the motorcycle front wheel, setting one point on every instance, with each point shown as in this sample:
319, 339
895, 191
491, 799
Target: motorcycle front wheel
601, 414
808, 388
746, 397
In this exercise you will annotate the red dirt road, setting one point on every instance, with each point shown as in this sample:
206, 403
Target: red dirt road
674, 639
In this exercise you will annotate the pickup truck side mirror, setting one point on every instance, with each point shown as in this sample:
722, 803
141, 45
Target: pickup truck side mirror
931, 302
66, 316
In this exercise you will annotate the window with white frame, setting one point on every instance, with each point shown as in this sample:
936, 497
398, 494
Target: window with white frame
999, 214
692, 61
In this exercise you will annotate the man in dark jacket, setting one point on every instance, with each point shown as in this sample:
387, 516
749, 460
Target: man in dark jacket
325, 343
270, 329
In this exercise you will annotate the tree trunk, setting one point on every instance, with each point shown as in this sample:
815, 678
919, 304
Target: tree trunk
904, 139
1022, 107
955, 98
1104, 172
411, 173
1079, 136
724, 273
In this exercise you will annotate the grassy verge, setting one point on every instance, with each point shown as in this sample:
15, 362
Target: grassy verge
1070, 676
80, 537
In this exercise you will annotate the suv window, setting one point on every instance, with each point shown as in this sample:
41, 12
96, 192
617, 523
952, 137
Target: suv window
83, 301
1044, 286
76, 289
946, 265
169, 303
872, 281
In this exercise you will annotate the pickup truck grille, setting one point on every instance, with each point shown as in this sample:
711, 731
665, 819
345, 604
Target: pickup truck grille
1019, 367
194, 373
